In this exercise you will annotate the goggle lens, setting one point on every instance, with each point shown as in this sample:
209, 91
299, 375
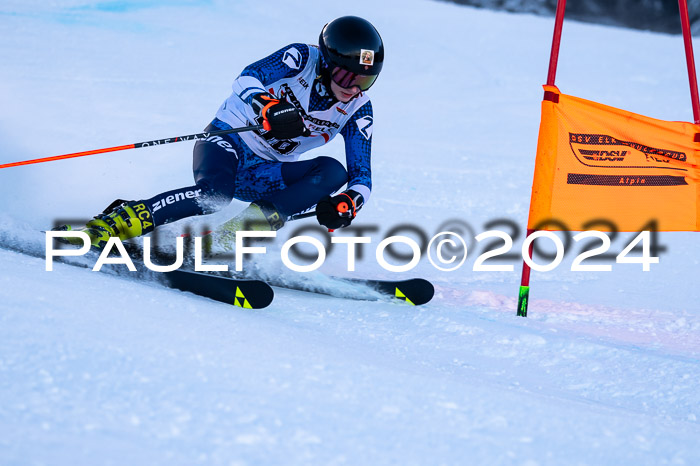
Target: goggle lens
347, 79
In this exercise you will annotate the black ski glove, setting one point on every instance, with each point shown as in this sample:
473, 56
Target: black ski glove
338, 211
281, 119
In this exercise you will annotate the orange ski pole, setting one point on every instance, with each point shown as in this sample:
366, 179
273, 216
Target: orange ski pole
137, 145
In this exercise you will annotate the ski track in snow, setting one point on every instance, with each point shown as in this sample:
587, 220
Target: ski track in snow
104, 369
314, 375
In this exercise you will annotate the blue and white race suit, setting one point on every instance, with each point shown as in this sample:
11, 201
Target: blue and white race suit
252, 166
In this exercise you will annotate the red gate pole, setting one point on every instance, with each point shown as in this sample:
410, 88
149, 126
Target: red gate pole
692, 76
524, 293
556, 40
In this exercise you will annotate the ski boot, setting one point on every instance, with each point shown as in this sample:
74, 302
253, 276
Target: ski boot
258, 216
121, 219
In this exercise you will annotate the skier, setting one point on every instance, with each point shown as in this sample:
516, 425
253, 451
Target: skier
303, 95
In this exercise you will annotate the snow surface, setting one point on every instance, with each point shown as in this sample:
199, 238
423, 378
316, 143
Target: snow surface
97, 369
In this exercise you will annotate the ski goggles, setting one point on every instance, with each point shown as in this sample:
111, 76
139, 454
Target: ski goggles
347, 79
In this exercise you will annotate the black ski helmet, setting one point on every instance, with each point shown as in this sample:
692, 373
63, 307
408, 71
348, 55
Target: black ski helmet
352, 44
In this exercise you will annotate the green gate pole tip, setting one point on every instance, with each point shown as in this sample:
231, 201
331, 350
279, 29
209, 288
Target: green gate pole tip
522, 300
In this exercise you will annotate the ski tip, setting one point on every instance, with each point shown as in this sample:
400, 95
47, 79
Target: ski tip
253, 294
416, 291
246, 294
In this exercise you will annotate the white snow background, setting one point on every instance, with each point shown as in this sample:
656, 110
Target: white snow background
97, 369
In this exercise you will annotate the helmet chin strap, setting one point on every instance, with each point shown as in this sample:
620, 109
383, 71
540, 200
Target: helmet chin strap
325, 81
323, 74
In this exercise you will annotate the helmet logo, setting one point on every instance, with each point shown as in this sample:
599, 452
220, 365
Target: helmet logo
367, 57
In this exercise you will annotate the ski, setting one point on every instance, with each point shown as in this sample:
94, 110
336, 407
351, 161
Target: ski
246, 293
414, 291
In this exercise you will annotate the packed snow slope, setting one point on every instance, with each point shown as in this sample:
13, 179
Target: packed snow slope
98, 369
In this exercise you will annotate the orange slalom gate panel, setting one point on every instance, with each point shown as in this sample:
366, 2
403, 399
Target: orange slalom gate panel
597, 162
